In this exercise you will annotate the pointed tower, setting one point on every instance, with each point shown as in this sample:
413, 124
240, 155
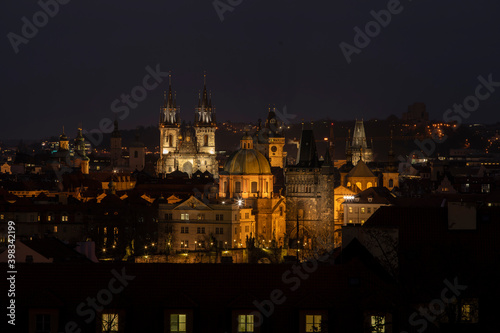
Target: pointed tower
116, 146
204, 122
359, 146
307, 155
169, 122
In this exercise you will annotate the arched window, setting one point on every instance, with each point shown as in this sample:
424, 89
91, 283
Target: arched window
369, 184
348, 184
358, 184
170, 140
205, 140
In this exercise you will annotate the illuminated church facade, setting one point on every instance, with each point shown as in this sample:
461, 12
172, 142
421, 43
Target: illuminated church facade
187, 148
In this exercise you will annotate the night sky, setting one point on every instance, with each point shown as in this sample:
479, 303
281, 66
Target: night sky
280, 52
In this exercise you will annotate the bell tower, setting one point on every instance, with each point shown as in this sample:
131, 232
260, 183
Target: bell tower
204, 121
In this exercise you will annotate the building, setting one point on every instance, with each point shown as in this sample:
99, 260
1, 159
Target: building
247, 176
359, 207
137, 155
310, 195
269, 140
187, 148
64, 158
340, 193
195, 224
358, 148
116, 147
359, 178
390, 174
416, 114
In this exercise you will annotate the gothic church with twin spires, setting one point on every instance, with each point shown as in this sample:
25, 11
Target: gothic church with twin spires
187, 148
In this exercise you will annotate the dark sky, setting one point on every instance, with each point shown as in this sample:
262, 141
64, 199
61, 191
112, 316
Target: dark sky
281, 52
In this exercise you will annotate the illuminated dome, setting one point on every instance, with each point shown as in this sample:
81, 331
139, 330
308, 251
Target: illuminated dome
247, 161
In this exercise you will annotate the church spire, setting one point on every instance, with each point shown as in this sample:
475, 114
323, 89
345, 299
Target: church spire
204, 114
169, 113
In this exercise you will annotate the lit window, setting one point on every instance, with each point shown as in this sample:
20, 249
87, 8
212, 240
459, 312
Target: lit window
1, 216
313, 323
245, 323
110, 322
64, 218
49, 218
363, 210
55, 228
378, 324
350, 209
177, 323
185, 216
42, 323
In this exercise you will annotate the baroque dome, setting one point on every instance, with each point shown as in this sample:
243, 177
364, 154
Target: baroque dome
247, 162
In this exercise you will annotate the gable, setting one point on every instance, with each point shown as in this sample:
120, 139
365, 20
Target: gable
192, 204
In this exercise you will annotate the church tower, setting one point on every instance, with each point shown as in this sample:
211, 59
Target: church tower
170, 130
390, 176
81, 157
116, 146
204, 122
270, 141
358, 147
169, 122
63, 142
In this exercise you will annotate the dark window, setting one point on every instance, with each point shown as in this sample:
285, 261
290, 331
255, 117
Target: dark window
254, 187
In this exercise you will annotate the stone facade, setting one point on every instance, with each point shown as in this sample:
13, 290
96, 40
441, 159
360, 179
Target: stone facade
310, 195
